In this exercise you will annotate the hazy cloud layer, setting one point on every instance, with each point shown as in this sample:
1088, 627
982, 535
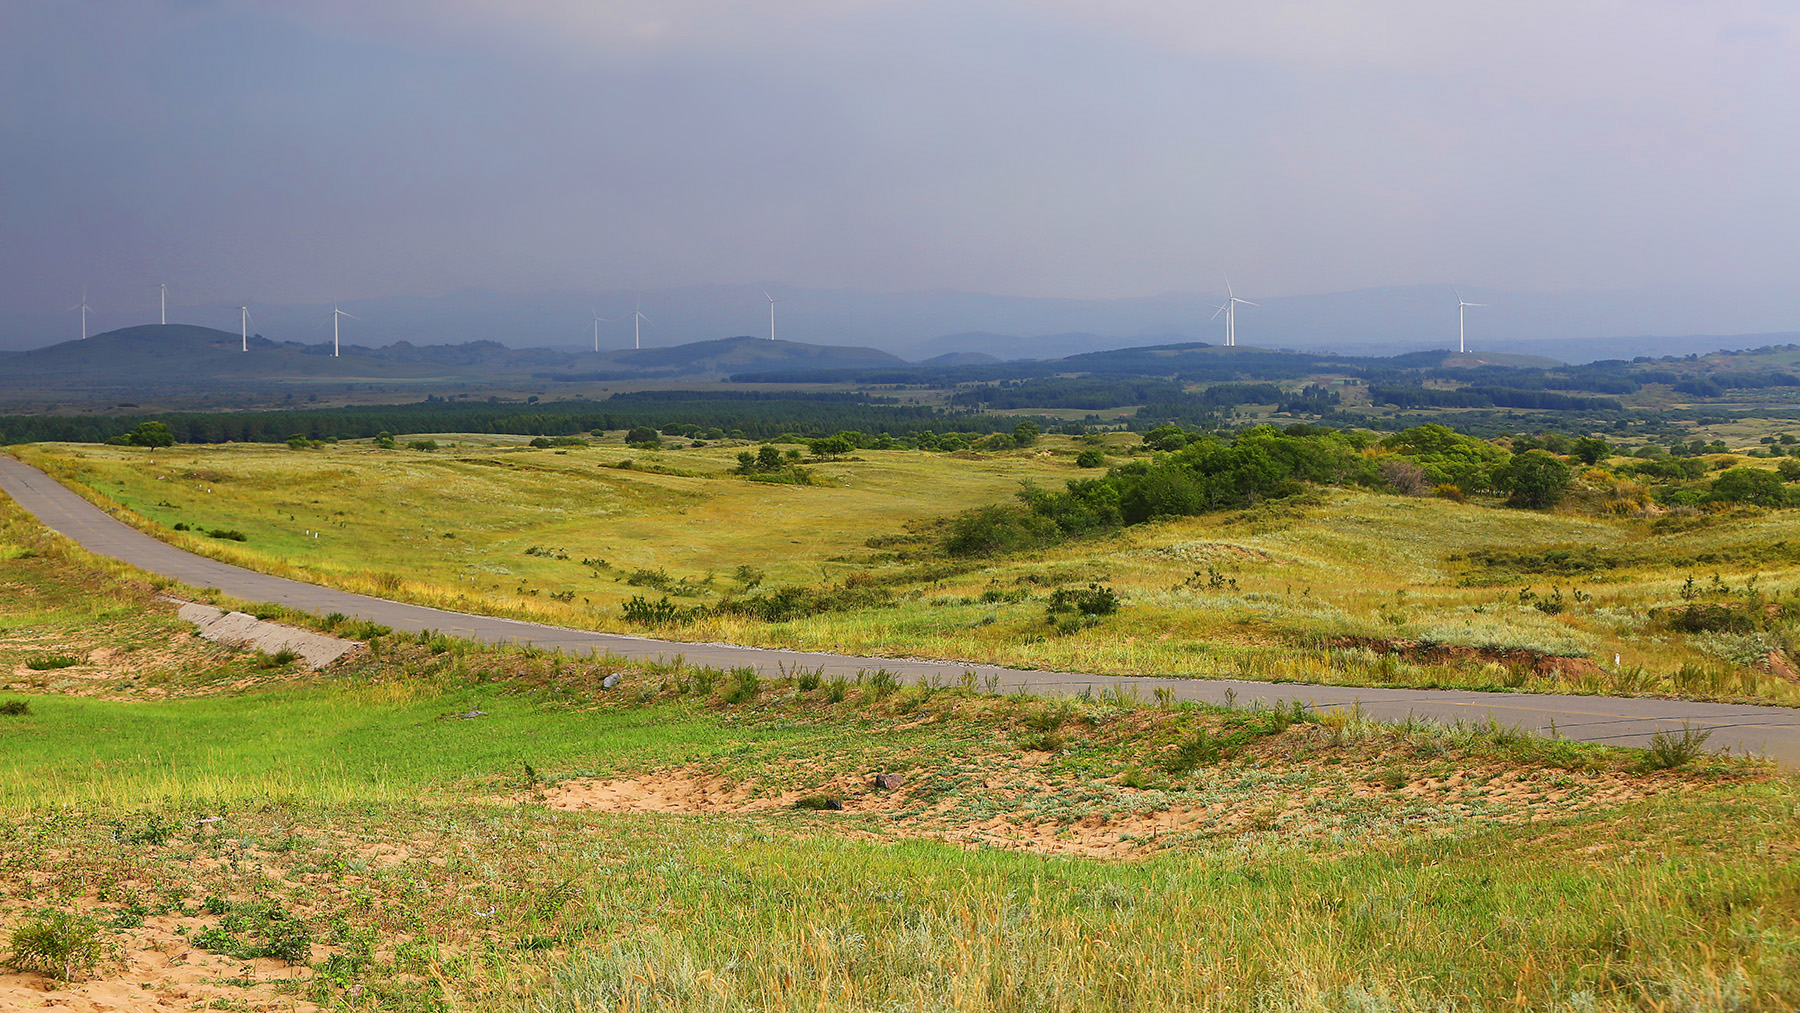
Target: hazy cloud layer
278, 152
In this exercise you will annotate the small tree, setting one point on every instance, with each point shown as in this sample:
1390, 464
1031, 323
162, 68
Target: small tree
643, 435
1590, 450
384, 440
1166, 438
150, 434
1092, 457
1533, 479
1026, 433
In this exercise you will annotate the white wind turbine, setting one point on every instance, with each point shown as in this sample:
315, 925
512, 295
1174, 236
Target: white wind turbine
165, 304
598, 320
638, 319
1461, 347
1230, 311
772, 302
85, 310
335, 314
245, 320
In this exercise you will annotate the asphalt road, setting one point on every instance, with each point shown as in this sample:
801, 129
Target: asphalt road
1771, 731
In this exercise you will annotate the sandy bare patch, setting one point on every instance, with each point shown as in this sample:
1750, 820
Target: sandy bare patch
155, 969
1117, 821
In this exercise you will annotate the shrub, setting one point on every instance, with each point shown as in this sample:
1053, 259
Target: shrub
1748, 485
642, 612
1666, 751
1094, 600
745, 684
1450, 492
422, 445
57, 944
1092, 457
232, 535
15, 708
643, 436
51, 662
1533, 479
384, 440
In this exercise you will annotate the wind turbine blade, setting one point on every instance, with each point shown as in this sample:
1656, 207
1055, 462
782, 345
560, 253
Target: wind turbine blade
1216, 311
350, 315
75, 307
1247, 302
1474, 304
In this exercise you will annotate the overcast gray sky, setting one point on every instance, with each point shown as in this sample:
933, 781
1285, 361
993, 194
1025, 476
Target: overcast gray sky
289, 152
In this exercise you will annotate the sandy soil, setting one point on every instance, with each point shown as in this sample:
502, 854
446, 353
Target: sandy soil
156, 969
1486, 796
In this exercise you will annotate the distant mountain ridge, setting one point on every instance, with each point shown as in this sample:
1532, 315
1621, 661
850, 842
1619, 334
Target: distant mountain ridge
167, 354
1579, 326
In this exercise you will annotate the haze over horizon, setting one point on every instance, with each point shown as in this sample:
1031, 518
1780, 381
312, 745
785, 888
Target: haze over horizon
247, 151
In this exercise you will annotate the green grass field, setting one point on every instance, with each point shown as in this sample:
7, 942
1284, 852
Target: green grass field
1342, 586
354, 839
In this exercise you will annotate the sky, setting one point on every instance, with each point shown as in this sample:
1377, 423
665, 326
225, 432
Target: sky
276, 152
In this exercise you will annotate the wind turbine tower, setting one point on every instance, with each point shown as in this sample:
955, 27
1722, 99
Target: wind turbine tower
335, 314
598, 320
85, 310
245, 312
1462, 347
772, 302
1230, 311
637, 321
165, 304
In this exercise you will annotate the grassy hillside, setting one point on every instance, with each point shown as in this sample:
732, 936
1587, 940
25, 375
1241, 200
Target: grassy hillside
1337, 586
429, 826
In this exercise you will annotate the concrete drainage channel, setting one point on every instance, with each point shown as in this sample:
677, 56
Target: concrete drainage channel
239, 629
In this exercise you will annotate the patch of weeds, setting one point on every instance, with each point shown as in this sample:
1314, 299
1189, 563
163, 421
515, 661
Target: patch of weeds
144, 828
1199, 748
15, 708
744, 685
228, 534
57, 944
807, 681
819, 802
285, 656
1667, 751
837, 689
883, 683
259, 929
51, 662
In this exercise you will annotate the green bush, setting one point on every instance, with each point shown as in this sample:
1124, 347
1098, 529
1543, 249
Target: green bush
15, 708
1092, 457
1668, 751
51, 662
1749, 485
422, 445
57, 944
1534, 479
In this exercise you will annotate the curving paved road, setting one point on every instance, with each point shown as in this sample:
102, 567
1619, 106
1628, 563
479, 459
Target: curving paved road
1772, 731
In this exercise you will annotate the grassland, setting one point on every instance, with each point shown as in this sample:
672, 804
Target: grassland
432, 826
1339, 587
